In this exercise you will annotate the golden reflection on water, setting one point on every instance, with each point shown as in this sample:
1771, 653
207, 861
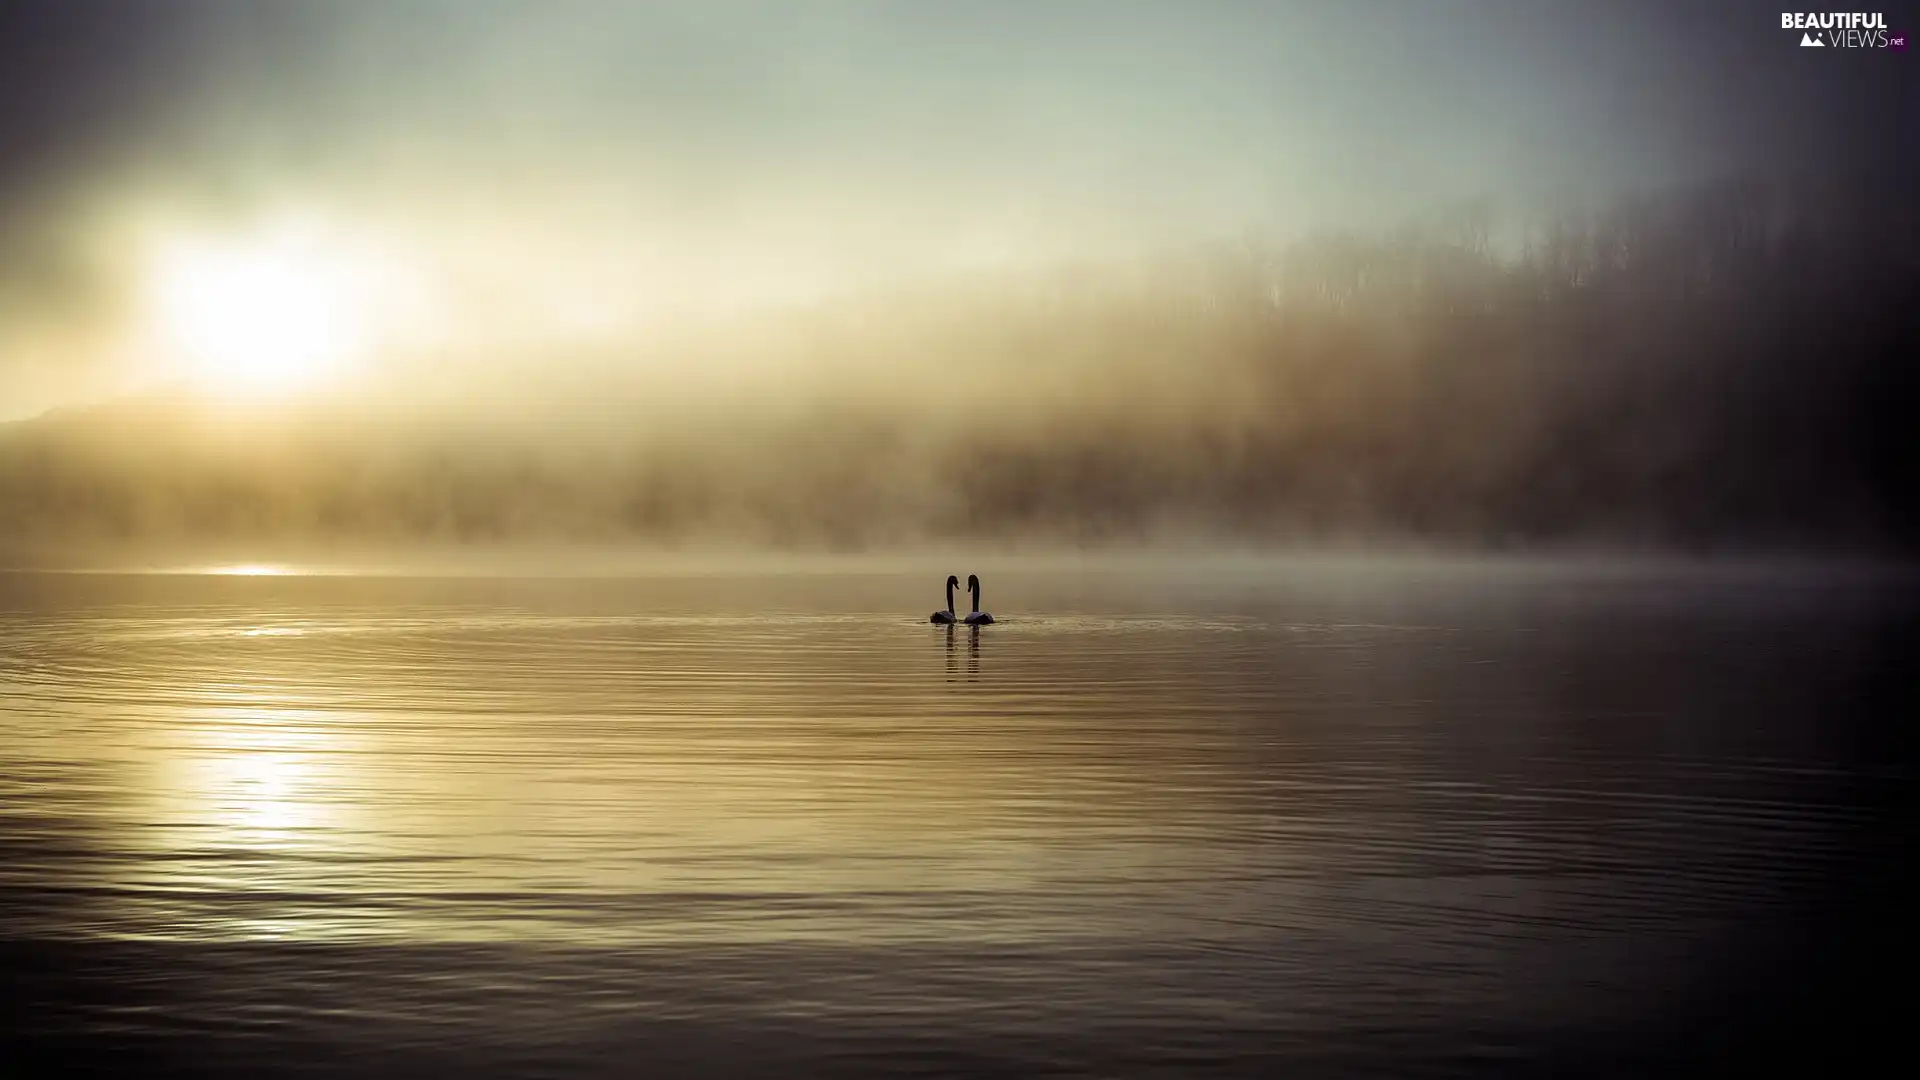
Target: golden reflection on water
671, 805
318, 786
253, 780
248, 570
293, 760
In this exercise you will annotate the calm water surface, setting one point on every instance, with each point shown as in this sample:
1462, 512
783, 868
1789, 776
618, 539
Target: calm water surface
1338, 818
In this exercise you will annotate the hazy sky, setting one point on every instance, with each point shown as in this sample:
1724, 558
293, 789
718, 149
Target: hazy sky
549, 169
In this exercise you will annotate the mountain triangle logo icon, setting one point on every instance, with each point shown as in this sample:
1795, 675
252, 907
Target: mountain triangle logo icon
1809, 41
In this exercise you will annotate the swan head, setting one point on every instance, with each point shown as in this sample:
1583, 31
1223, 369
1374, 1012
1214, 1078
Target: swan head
952, 582
973, 582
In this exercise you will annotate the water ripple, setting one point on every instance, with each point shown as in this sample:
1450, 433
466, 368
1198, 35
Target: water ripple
1314, 813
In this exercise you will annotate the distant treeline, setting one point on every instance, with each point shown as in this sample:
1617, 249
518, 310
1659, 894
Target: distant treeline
1721, 368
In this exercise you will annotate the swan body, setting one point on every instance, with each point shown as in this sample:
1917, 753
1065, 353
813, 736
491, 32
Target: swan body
976, 617
946, 617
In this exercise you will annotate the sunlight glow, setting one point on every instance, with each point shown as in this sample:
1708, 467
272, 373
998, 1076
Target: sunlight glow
268, 316
248, 570
256, 779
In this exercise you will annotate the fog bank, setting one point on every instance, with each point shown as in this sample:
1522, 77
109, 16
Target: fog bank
1725, 367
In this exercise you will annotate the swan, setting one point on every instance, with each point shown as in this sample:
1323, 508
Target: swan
976, 617
947, 615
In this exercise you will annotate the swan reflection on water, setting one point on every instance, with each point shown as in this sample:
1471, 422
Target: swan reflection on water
973, 655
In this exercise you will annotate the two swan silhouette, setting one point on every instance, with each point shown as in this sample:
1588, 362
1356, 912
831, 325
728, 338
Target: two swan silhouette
976, 617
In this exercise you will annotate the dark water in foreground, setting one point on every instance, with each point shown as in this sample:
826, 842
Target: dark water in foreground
1295, 818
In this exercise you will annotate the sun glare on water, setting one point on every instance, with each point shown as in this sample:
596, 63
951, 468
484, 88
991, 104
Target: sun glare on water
270, 316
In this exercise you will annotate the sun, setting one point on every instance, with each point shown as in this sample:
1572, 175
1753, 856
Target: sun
269, 316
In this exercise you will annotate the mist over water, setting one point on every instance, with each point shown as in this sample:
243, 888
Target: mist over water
863, 276
1710, 370
474, 478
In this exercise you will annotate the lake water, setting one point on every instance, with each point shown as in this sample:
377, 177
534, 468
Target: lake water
1164, 819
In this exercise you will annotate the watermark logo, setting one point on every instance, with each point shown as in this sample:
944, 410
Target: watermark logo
1843, 30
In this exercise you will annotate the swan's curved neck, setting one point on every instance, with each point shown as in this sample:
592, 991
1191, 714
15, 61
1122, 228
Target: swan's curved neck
949, 597
975, 589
